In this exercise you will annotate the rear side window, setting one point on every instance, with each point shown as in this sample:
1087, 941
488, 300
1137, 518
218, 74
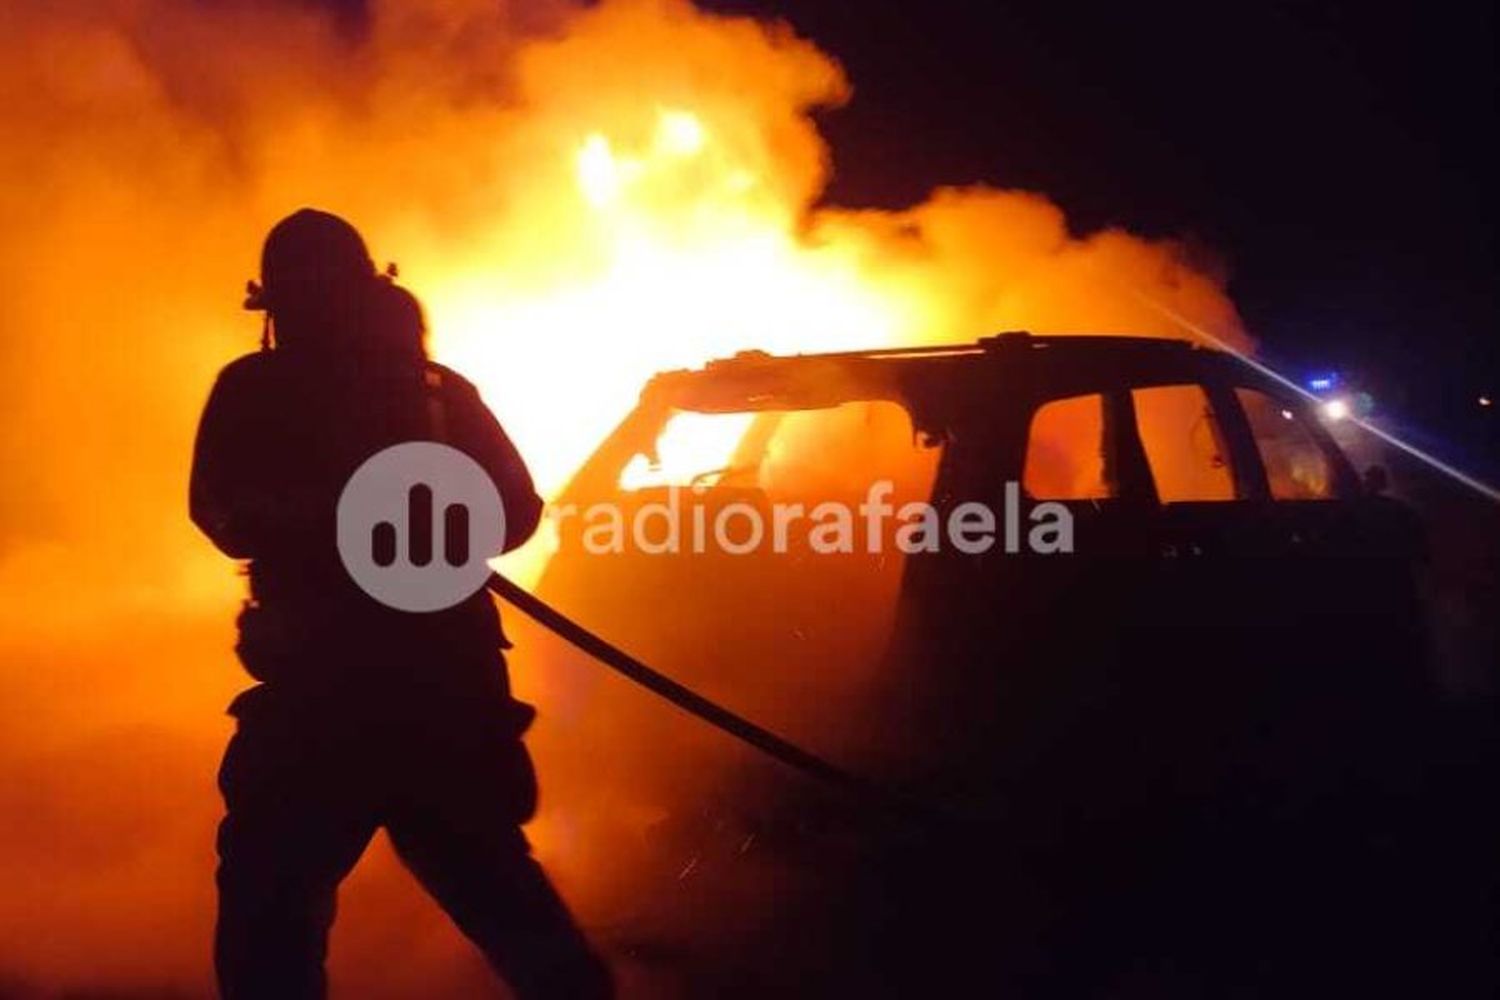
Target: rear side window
1065, 450
1183, 443
1297, 468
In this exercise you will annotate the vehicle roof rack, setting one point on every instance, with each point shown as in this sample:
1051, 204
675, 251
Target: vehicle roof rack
761, 357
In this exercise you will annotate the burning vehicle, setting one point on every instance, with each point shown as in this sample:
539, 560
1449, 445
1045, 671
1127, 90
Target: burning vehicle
1159, 663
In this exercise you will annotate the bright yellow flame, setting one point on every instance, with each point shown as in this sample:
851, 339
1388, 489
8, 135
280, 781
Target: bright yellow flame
658, 286
691, 446
599, 176
680, 133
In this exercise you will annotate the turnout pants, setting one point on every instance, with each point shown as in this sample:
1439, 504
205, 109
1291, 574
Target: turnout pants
307, 785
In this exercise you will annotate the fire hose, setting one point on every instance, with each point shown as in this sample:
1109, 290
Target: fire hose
882, 797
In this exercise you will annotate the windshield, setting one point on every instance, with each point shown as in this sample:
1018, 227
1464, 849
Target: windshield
820, 454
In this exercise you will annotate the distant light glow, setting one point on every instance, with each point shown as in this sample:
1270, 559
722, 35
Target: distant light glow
1321, 384
1477, 485
1486, 401
1336, 409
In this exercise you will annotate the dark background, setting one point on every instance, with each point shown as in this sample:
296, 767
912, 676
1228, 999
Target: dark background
1337, 156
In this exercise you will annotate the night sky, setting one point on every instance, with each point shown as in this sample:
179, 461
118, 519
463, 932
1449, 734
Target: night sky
1336, 156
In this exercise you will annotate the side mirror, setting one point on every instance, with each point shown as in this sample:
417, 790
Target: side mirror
1376, 481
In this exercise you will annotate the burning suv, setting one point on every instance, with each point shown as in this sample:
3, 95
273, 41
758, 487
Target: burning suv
1170, 614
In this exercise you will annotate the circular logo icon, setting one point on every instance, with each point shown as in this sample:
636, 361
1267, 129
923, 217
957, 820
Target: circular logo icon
416, 524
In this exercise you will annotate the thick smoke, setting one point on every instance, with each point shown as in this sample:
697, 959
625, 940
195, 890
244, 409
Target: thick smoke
582, 196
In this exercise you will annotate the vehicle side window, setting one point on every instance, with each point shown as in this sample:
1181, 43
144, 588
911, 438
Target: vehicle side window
1065, 450
1183, 443
1297, 468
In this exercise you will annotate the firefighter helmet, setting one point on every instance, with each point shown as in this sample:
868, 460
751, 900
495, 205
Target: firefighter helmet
309, 252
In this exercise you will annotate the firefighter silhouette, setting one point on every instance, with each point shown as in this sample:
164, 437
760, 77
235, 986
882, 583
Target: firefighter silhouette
364, 716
